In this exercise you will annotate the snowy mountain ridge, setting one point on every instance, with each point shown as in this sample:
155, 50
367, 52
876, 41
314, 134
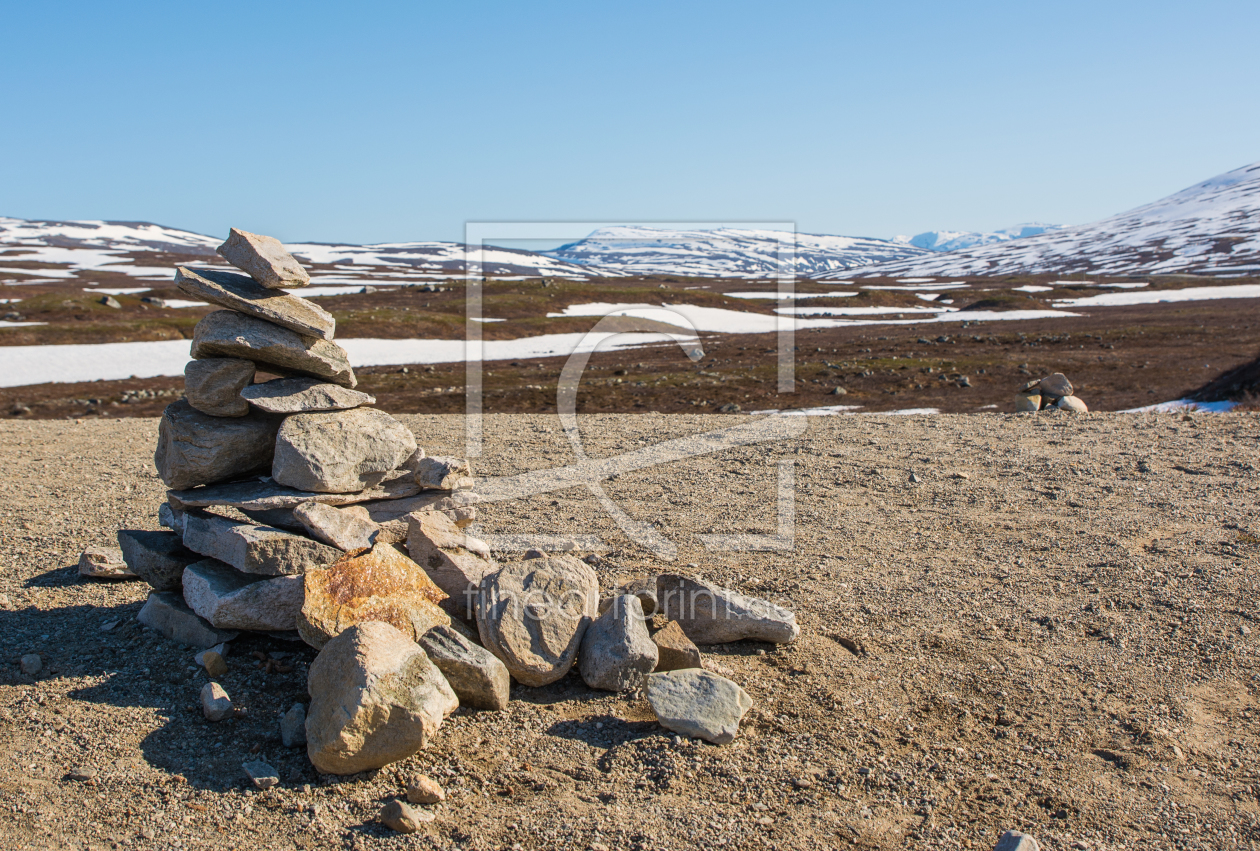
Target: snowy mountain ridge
952, 240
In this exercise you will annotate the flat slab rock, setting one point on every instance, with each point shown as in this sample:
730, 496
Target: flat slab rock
454, 561
166, 612
381, 584
198, 449
104, 563
303, 395
263, 495
340, 451
375, 699
262, 550
709, 614
228, 334
264, 259
697, 703
159, 558
245, 295
348, 529
230, 599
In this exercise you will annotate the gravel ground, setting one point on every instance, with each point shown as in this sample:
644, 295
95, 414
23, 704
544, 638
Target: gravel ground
1053, 629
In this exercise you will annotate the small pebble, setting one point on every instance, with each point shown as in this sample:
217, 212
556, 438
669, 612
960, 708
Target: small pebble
213, 663
82, 774
404, 818
422, 789
263, 775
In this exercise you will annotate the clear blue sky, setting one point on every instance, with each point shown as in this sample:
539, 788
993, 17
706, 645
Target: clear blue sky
367, 122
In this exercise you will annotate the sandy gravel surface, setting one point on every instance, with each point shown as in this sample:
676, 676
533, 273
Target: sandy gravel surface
1055, 629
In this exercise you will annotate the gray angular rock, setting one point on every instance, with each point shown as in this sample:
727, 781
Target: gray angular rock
478, 678
255, 549
228, 334
375, 699
393, 515
1055, 386
616, 649
341, 451
198, 449
104, 563
159, 558
303, 395
229, 599
1013, 840
675, 650
215, 703
262, 774
264, 259
454, 561
441, 473
709, 614
171, 518
293, 726
404, 818
698, 704
533, 614
344, 528
247, 296
644, 588
397, 487
213, 386
167, 613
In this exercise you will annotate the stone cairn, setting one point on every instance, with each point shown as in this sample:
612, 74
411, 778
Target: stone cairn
1054, 391
353, 540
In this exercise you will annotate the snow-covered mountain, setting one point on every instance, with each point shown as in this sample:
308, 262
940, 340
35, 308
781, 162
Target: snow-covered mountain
725, 252
1212, 228
952, 240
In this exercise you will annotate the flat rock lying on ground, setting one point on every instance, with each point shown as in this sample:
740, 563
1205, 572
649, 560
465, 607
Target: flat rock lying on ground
712, 615
675, 650
213, 386
478, 678
159, 558
263, 550
698, 703
198, 449
167, 612
381, 584
303, 395
228, 334
454, 561
344, 528
375, 699
229, 599
266, 495
264, 259
341, 451
104, 563
443, 473
404, 818
616, 649
533, 614
245, 295
261, 773
422, 789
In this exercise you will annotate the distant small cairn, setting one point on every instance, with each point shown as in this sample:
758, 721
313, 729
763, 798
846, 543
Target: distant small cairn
1054, 391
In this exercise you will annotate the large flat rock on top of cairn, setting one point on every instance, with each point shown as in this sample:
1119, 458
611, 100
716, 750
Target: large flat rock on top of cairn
709, 614
266, 495
228, 334
198, 449
261, 550
213, 386
381, 584
303, 395
264, 259
375, 699
229, 599
532, 615
341, 451
245, 295
698, 703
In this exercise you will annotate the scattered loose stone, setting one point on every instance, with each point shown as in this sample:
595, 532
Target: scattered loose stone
1073, 404
303, 395
675, 651
343, 528
263, 775
340, 452
215, 703
478, 678
1013, 840
293, 726
616, 649
375, 699
198, 449
712, 615
533, 614
213, 386
104, 563
267, 495
644, 588
404, 818
454, 561
381, 584
264, 259
167, 612
159, 558
439, 473
31, 664
228, 334
213, 661
82, 774
255, 549
698, 704
422, 789
230, 599
247, 296
109, 301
